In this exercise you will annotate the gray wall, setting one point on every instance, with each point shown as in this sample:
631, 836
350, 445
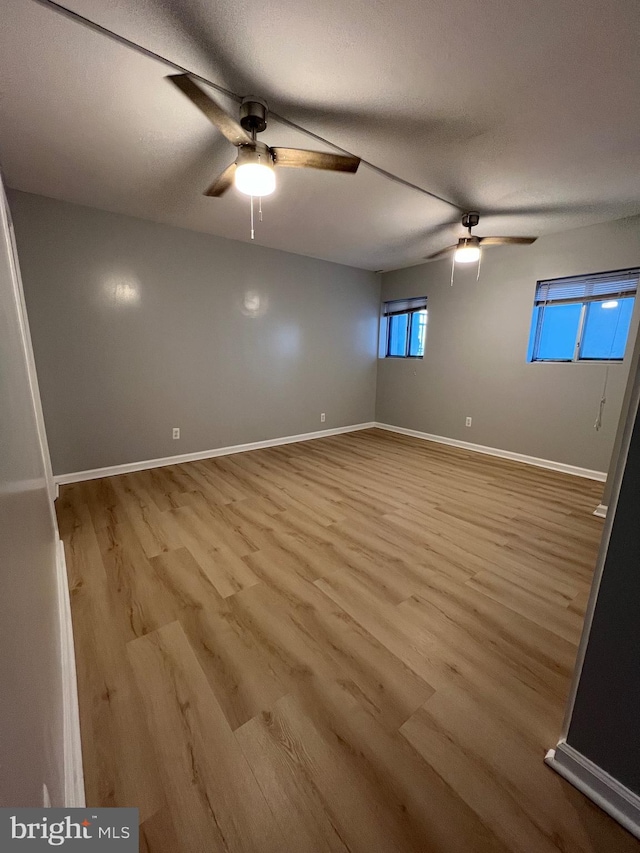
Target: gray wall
604, 725
30, 685
475, 359
634, 362
140, 327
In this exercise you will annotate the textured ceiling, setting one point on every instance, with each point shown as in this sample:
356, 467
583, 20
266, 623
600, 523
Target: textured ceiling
526, 110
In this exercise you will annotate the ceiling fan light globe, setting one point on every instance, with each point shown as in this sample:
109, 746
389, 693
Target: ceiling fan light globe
255, 179
467, 251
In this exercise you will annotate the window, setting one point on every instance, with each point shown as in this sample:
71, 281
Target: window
404, 328
585, 318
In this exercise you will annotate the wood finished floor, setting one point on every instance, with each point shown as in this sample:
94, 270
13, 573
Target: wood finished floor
361, 643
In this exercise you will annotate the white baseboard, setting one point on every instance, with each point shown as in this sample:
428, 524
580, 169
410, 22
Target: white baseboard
129, 467
612, 796
503, 454
73, 771
601, 511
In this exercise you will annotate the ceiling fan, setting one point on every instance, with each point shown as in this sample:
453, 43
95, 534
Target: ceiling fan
467, 249
252, 172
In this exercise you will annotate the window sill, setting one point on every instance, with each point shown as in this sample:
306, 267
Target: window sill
576, 361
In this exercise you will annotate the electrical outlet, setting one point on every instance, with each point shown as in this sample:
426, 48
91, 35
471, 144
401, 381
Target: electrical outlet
322, 418
467, 422
176, 432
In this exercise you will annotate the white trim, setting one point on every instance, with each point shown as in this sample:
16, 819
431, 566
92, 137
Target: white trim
601, 511
623, 805
129, 467
27, 346
73, 771
601, 476
618, 473
612, 796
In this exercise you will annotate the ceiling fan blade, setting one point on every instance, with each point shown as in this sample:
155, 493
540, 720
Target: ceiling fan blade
299, 158
228, 126
441, 253
507, 241
221, 183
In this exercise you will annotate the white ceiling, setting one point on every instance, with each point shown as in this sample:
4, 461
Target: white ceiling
526, 110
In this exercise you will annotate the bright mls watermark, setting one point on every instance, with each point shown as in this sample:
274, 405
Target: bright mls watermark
102, 830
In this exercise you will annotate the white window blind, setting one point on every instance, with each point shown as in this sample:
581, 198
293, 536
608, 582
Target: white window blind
586, 288
403, 306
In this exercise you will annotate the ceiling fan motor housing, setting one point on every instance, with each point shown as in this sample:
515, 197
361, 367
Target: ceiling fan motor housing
258, 152
471, 219
253, 114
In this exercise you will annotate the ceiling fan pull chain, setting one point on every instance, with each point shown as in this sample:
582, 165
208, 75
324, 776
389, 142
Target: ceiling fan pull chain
603, 398
479, 264
253, 233
260, 208
453, 266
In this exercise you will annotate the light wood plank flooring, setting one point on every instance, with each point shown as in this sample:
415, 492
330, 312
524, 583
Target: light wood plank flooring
361, 643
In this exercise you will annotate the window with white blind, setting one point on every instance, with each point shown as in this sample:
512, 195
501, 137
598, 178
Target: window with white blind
404, 328
583, 318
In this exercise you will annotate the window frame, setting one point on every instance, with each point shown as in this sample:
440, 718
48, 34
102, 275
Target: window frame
584, 302
407, 342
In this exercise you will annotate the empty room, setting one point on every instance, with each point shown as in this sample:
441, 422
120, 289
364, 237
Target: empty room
320, 460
